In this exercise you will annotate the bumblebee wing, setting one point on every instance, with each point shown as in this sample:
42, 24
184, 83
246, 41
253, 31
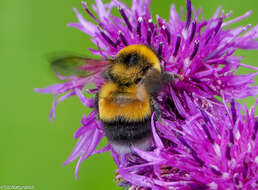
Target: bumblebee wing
78, 66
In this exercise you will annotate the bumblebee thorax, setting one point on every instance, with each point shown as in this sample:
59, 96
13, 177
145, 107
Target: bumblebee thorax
138, 54
132, 62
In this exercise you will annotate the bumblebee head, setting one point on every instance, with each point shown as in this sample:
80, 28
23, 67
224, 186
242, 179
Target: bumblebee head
132, 62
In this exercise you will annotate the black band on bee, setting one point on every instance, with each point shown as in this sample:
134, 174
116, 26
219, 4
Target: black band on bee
107, 75
124, 131
116, 80
133, 59
130, 59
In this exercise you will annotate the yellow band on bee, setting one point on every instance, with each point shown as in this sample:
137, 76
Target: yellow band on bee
110, 109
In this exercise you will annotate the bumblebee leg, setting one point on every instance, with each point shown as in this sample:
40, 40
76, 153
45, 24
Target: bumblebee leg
170, 78
155, 108
96, 102
153, 81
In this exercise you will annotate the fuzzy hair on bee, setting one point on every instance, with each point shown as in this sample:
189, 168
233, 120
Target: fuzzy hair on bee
127, 99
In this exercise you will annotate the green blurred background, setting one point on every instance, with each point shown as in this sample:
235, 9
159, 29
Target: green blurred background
32, 148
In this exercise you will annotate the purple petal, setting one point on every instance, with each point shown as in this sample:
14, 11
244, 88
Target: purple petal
156, 137
50, 89
86, 27
88, 102
247, 14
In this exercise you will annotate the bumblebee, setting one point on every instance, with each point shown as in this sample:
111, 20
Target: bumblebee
126, 100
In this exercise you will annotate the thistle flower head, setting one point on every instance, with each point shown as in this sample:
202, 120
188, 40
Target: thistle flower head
200, 142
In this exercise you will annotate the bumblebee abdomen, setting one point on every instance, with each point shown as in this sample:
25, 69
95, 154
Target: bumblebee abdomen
126, 117
123, 131
127, 126
123, 135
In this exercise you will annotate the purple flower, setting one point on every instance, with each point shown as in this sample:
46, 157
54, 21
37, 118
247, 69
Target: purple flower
214, 149
200, 142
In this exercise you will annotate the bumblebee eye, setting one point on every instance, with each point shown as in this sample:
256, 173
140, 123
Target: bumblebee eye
146, 69
137, 80
127, 84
